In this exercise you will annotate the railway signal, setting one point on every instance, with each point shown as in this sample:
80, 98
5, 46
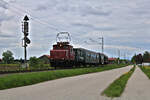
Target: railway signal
25, 40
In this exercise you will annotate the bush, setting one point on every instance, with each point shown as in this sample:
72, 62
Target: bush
35, 62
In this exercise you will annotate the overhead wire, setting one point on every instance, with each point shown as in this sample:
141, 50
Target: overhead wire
21, 11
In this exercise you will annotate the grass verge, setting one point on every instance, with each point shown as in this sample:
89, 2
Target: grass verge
146, 70
23, 79
116, 88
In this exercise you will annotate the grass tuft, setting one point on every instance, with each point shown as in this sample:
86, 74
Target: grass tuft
146, 70
116, 88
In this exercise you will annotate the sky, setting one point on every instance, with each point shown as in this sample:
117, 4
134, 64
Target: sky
124, 25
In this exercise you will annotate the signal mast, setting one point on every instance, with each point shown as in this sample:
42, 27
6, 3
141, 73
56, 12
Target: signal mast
25, 40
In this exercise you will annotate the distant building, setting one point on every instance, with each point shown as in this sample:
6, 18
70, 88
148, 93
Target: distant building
146, 61
45, 58
145, 64
112, 60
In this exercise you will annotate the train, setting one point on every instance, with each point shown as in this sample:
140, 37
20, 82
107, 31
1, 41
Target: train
65, 55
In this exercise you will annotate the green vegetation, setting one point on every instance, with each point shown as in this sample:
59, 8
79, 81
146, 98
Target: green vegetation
23, 79
146, 70
17, 67
146, 56
7, 57
35, 62
9, 67
116, 88
140, 58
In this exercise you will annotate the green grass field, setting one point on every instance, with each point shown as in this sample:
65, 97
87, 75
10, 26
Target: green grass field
116, 88
23, 79
146, 70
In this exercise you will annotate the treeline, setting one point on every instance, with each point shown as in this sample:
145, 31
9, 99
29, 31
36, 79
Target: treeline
34, 62
140, 58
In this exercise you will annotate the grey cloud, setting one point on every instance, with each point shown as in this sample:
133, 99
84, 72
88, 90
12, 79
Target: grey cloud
82, 25
3, 4
83, 10
89, 10
41, 7
6, 35
94, 27
4, 46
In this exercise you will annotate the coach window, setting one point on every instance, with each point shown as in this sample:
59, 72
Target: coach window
80, 53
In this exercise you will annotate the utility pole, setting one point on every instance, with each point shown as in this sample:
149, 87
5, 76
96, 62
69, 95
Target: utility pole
124, 56
102, 44
25, 40
118, 56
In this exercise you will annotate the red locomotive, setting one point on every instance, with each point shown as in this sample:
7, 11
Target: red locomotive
62, 54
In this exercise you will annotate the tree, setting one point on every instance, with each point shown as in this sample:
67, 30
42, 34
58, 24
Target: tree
7, 57
139, 59
146, 56
133, 59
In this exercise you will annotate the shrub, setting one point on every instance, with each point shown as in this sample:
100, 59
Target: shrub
35, 62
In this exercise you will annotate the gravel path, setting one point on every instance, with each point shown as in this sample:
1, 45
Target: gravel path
138, 87
83, 87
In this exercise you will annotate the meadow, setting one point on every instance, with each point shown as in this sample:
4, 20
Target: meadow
23, 79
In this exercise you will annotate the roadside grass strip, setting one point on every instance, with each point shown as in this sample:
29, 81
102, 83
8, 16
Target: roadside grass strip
116, 88
146, 70
24, 79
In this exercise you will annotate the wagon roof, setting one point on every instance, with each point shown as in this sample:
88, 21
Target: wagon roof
85, 50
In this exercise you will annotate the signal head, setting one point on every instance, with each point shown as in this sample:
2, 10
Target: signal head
26, 18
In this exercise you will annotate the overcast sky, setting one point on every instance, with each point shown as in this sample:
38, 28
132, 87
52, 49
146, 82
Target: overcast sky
124, 24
